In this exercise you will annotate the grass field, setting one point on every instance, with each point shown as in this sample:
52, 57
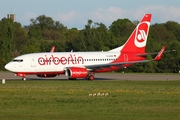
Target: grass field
53, 99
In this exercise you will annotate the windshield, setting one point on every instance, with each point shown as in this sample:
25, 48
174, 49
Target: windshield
17, 60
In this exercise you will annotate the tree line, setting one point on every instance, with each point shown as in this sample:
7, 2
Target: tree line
43, 32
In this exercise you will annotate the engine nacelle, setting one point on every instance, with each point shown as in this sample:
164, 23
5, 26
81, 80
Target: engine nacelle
46, 75
76, 72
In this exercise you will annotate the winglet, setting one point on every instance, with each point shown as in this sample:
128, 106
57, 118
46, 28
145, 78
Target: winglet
52, 49
159, 55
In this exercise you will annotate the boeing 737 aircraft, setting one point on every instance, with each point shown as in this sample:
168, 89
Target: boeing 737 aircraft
84, 64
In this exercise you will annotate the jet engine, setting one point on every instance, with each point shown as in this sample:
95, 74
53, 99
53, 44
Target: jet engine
76, 72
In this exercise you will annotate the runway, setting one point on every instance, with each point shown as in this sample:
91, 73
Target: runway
104, 76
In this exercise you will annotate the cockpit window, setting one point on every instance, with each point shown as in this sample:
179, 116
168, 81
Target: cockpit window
17, 60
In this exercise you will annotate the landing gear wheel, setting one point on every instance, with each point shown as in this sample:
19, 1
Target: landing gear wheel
91, 77
24, 79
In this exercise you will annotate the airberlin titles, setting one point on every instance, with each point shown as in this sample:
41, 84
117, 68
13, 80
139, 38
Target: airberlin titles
71, 59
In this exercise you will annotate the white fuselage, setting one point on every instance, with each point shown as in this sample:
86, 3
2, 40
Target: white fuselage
58, 62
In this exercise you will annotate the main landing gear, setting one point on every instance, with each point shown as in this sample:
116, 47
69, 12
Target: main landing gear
90, 77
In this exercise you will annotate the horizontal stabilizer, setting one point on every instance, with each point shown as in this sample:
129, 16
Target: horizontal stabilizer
154, 53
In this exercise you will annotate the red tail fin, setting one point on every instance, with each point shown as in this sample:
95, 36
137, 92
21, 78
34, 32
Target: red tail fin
137, 40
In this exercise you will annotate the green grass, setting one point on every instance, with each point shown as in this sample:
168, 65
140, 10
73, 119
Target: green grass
53, 99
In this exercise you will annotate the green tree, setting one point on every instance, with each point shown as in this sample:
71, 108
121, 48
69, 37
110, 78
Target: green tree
71, 38
32, 46
46, 28
20, 39
173, 28
120, 30
160, 34
8, 35
94, 37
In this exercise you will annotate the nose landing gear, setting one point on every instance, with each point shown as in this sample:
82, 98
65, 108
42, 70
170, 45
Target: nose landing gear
24, 79
21, 75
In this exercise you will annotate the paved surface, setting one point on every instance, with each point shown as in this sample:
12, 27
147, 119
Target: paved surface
103, 76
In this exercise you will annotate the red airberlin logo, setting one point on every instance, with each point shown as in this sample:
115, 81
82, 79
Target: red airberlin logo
50, 60
141, 34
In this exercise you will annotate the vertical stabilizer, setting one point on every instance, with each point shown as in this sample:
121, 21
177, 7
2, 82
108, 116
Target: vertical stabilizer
138, 39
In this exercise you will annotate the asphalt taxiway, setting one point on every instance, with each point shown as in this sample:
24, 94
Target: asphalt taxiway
104, 76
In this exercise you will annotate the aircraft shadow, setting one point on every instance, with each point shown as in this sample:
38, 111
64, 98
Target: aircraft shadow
62, 79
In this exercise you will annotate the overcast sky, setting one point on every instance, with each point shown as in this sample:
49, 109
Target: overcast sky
75, 13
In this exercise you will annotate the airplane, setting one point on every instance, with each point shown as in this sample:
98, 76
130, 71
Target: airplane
77, 65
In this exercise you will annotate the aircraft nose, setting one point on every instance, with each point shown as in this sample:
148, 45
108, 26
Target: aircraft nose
8, 67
